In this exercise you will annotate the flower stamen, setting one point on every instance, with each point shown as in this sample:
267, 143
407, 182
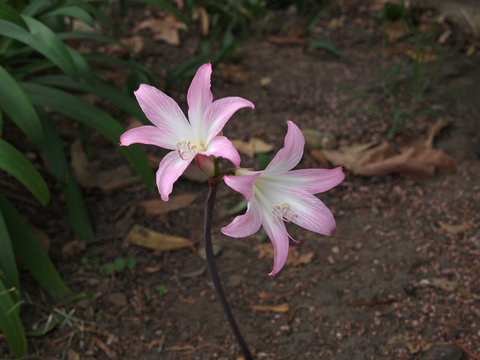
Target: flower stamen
187, 150
283, 213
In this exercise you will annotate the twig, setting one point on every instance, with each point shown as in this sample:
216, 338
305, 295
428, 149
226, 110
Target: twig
466, 350
214, 273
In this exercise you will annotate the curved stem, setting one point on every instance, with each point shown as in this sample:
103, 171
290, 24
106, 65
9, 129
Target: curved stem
214, 273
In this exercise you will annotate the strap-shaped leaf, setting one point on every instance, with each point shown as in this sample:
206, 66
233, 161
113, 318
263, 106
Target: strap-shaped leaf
10, 323
8, 266
16, 104
10, 14
13, 162
43, 40
55, 157
115, 96
86, 113
30, 252
73, 11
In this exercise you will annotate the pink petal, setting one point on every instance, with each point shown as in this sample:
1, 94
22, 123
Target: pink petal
246, 224
220, 111
279, 237
311, 213
242, 184
170, 169
199, 96
220, 146
150, 135
291, 153
315, 181
163, 111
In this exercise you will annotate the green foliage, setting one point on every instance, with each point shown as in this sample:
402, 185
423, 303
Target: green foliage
161, 290
38, 68
118, 265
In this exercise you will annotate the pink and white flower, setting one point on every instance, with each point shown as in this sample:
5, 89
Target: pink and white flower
278, 194
187, 138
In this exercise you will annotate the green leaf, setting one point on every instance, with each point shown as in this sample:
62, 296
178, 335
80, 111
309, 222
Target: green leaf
55, 157
72, 11
18, 107
35, 7
241, 206
42, 330
10, 323
43, 40
108, 92
8, 266
96, 37
119, 264
31, 253
86, 113
10, 14
263, 158
94, 10
13, 162
313, 19
325, 45
130, 262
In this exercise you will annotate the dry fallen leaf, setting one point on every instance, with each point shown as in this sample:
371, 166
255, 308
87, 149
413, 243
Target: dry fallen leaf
150, 239
251, 147
287, 40
336, 23
282, 308
157, 206
397, 30
73, 247
89, 174
136, 43
264, 81
422, 57
294, 257
270, 295
234, 73
417, 159
440, 283
454, 229
166, 28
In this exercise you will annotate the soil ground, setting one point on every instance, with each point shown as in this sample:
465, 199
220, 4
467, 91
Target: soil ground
398, 279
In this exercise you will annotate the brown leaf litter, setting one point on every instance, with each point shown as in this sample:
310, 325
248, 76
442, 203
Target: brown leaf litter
416, 159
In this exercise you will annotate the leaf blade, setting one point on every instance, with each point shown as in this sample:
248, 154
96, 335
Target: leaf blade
31, 253
13, 162
10, 323
18, 107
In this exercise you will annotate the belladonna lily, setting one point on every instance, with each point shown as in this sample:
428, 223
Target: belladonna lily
278, 194
196, 137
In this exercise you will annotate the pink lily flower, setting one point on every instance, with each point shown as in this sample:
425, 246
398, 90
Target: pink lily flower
188, 139
278, 194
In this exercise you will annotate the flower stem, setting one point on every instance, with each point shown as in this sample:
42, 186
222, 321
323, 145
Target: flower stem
214, 273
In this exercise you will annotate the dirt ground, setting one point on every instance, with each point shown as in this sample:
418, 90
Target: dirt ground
398, 279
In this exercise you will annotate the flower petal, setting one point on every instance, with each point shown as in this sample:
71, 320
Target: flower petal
163, 111
170, 169
242, 184
311, 213
313, 181
246, 224
150, 135
291, 153
278, 235
199, 97
220, 111
220, 146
